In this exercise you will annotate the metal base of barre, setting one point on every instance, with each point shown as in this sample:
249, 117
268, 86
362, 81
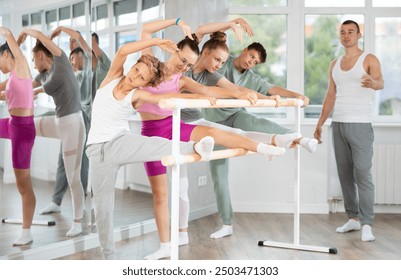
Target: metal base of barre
330, 250
34, 222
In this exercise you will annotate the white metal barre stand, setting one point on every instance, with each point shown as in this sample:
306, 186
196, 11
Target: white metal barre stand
297, 187
177, 105
175, 184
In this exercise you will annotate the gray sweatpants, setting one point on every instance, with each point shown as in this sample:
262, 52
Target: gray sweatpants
353, 149
219, 168
104, 161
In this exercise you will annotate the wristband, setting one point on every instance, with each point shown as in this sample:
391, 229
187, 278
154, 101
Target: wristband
176, 22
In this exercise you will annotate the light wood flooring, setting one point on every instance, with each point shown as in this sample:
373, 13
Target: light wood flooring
249, 229
131, 207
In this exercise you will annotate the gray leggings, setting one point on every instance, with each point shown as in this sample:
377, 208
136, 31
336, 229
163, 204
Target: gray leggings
353, 149
104, 161
70, 130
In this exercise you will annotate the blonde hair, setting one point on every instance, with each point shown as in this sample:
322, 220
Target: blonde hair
156, 67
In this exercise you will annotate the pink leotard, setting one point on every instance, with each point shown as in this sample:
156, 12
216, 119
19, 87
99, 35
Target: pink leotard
19, 92
170, 86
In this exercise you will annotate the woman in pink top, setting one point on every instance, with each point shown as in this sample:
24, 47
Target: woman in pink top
19, 127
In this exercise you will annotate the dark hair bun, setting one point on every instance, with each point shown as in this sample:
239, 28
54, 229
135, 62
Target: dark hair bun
219, 36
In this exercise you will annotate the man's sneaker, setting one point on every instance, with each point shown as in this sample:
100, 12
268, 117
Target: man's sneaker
51, 208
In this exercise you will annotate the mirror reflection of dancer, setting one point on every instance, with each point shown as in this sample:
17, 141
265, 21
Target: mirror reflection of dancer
58, 80
100, 63
110, 142
19, 127
353, 79
80, 62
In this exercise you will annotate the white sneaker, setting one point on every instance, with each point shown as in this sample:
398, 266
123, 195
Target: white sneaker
163, 252
349, 226
51, 208
223, 232
367, 234
76, 229
24, 239
309, 144
183, 238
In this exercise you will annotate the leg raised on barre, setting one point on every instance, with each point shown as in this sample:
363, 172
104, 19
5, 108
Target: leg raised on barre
227, 153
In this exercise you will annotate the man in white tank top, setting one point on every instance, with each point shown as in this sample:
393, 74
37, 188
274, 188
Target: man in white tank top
353, 79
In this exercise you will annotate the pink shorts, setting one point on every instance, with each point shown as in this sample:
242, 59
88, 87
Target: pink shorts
21, 131
163, 128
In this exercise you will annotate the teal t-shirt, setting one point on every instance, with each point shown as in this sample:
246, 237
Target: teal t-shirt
248, 79
102, 68
204, 78
84, 78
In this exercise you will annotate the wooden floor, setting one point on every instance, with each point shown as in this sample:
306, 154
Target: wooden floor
249, 229
131, 207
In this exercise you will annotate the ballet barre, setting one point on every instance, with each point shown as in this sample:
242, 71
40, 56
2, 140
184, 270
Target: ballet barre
34, 222
227, 153
176, 159
180, 103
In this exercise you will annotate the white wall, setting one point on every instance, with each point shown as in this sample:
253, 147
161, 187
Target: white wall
261, 186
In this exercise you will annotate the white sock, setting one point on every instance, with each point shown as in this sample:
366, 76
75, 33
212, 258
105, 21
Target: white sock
75, 230
285, 140
51, 208
367, 234
183, 238
223, 232
309, 144
163, 252
349, 226
269, 151
205, 147
25, 237
259, 136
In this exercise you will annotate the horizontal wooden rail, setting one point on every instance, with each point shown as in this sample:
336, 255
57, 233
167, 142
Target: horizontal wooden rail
227, 153
175, 103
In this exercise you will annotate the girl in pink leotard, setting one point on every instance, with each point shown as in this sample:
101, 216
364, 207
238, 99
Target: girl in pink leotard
19, 127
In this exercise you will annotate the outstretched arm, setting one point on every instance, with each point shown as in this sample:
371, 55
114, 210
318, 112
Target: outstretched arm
187, 84
237, 25
116, 69
152, 27
21, 66
49, 44
74, 35
141, 97
96, 49
276, 90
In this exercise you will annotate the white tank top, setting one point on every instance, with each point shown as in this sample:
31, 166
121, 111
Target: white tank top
109, 115
354, 103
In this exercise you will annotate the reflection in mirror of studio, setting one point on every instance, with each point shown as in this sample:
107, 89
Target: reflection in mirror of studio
80, 85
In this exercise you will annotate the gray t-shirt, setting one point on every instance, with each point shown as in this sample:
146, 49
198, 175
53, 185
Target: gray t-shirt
61, 84
205, 78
